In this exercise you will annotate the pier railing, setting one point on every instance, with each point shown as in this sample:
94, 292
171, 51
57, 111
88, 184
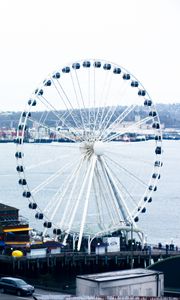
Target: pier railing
154, 254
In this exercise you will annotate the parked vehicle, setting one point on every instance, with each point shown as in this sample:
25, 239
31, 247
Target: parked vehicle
16, 286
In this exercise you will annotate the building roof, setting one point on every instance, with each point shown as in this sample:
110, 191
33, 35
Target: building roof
4, 207
119, 275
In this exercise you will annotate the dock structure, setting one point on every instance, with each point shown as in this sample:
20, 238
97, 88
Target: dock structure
81, 263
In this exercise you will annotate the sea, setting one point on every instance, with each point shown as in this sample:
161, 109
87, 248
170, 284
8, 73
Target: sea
161, 222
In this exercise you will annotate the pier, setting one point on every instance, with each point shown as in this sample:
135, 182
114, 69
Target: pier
60, 270
80, 259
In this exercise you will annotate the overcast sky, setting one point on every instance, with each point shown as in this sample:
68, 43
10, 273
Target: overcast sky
38, 36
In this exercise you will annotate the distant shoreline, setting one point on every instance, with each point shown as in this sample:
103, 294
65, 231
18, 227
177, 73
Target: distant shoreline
170, 138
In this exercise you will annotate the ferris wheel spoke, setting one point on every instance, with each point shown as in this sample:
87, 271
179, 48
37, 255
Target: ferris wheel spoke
98, 200
51, 178
106, 118
112, 199
116, 214
41, 124
92, 111
69, 205
61, 145
104, 199
70, 216
66, 100
64, 190
95, 107
55, 202
51, 107
43, 117
79, 95
52, 203
126, 156
129, 129
124, 190
59, 117
84, 215
119, 197
114, 125
125, 170
44, 162
85, 179
65, 185
104, 88
75, 92
101, 109
88, 97
121, 117
78, 104
80, 90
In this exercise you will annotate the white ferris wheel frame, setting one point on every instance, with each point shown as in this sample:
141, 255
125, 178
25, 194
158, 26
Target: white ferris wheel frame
98, 128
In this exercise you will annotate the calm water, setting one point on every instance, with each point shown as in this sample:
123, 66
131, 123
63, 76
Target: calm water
160, 223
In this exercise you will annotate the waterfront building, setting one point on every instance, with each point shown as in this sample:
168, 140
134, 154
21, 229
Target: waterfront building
14, 230
126, 283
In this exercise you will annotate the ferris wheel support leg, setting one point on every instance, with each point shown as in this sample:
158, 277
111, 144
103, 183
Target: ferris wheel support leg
114, 204
86, 202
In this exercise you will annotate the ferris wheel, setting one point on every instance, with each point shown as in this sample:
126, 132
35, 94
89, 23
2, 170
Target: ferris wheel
89, 147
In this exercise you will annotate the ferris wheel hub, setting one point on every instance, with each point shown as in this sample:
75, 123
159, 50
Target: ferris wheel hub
99, 148
87, 149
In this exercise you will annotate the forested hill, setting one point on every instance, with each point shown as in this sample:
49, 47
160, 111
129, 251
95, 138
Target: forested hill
169, 115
